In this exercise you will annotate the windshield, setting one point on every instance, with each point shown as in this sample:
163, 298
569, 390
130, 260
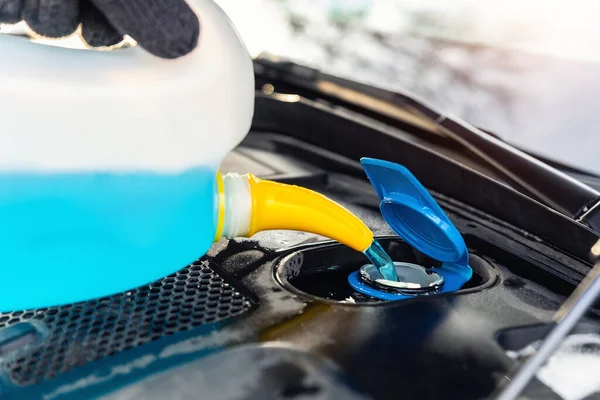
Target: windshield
527, 70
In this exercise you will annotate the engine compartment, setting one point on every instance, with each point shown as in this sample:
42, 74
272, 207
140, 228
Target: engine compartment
269, 316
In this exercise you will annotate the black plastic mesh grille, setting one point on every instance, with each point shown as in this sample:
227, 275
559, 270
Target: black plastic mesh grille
87, 331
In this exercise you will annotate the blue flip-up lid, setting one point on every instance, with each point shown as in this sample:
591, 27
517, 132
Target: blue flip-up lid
413, 214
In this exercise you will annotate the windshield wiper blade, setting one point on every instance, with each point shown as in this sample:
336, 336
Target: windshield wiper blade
520, 170
525, 173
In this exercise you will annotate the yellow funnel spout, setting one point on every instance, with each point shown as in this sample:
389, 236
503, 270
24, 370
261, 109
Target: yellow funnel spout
280, 206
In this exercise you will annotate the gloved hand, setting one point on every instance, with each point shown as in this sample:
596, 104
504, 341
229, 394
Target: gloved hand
165, 28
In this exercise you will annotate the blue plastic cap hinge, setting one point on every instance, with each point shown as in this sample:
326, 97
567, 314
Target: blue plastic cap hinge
415, 216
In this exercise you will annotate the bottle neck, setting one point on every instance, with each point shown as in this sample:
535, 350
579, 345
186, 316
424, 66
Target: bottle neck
234, 210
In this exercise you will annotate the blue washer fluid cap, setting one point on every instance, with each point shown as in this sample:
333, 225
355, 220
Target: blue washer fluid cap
415, 216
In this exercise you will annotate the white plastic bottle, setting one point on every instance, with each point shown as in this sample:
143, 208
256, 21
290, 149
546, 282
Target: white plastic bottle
109, 167
108, 161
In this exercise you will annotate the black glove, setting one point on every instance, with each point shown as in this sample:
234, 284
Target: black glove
165, 28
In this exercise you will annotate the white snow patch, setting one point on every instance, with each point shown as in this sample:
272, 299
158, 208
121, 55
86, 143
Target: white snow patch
573, 371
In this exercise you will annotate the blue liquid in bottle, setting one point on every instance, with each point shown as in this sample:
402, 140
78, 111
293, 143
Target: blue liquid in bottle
71, 237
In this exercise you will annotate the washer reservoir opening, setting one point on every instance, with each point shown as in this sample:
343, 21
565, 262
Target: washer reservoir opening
321, 271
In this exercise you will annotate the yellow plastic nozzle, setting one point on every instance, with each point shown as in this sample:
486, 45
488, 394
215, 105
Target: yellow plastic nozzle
280, 206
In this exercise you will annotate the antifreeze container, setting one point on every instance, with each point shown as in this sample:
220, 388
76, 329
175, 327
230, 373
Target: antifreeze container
108, 161
109, 166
